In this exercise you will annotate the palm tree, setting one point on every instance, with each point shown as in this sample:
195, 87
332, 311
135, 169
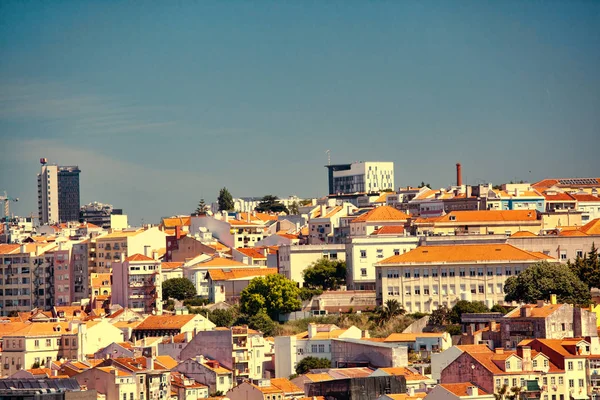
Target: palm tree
391, 310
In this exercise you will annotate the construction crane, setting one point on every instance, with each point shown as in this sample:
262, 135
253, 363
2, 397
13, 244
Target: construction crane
7, 201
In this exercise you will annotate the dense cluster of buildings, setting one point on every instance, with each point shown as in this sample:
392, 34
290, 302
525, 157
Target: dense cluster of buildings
82, 306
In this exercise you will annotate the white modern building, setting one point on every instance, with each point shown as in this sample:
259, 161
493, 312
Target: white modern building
316, 342
361, 177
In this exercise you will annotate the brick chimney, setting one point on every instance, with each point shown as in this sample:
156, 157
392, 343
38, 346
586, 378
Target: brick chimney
458, 174
526, 356
312, 330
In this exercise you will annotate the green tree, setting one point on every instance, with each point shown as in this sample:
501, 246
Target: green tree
325, 274
423, 184
464, 306
202, 208
308, 363
262, 322
222, 318
587, 268
500, 309
308, 293
388, 190
440, 316
541, 280
454, 330
294, 208
178, 288
270, 203
389, 311
273, 294
225, 200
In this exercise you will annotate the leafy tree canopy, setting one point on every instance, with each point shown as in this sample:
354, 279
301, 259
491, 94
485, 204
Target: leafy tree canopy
225, 200
178, 288
308, 363
294, 208
389, 311
222, 318
325, 274
440, 316
270, 203
262, 322
272, 294
464, 306
541, 280
587, 268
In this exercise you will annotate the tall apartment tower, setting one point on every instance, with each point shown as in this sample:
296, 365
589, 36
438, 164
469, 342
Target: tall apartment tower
58, 193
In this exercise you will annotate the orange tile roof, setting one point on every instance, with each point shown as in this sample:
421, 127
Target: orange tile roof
288, 235
558, 197
237, 222
460, 389
139, 257
464, 253
119, 235
523, 234
585, 197
407, 373
411, 337
285, 385
165, 322
170, 265
167, 361
9, 248
118, 372
7, 328
382, 213
320, 377
240, 273
44, 329
335, 333
176, 221
592, 227
573, 232
97, 279
535, 311
251, 252
489, 216
389, 230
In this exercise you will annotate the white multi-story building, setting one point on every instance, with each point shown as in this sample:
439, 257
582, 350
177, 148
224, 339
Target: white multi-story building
293, 260
316, 342
361, 177
362, 253
110, 247
430, 276
589, 205
232, 232
137, 284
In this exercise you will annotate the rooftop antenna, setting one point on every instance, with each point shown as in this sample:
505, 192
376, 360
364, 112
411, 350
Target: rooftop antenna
328, 152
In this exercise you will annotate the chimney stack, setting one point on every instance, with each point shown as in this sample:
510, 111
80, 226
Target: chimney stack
473, 391
458, 175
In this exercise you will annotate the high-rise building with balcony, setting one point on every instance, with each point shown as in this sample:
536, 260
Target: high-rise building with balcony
58, 193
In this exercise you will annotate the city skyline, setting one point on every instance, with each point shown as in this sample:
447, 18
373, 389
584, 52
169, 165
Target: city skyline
162, 105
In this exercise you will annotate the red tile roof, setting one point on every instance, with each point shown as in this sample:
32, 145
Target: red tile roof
240, 273
139, 257
460, 389
489, 216
165, 322
251, 252
382, 213
389, 230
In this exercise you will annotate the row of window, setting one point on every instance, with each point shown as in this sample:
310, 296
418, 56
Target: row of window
445, 289
451, 272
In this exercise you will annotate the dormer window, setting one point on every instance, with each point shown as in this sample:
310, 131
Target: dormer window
453, 218
507, 365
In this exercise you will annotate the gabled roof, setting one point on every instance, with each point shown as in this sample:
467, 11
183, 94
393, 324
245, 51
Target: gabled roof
221, 262
464, 253
489, 216
382, 213
240, 273
460, 389
170, 265
286, 386
585, 197
558, 197
592, 227
405, 372
176, 221
389, 230
139, 257
165, 322
523, 234
567, 182
119, 235
9, 248
535, 311
251, 252
411, 337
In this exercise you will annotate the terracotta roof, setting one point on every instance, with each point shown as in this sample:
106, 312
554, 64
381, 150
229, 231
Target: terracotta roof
45, 329
335, 333
109, 370
251, 252
405, 372
287, 235
219, 369
411, 337
176, 221
126, 324
460, 389
573, 232
389, 230
96, 281
382, 213
238, 222
489, 216
9, 248
165, 322
286, 386
240, 273
319, 377
118, 235
167, 361
556, 182
592, 227
523, 234
558, 197
7, 328
585, 197
464, 253
139, 257
170, 265
258, 216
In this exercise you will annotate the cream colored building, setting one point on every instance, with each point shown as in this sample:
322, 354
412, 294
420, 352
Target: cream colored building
110, 247
431, 276
293, 260
137, 284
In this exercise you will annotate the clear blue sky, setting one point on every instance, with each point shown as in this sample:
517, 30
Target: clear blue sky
161, 103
